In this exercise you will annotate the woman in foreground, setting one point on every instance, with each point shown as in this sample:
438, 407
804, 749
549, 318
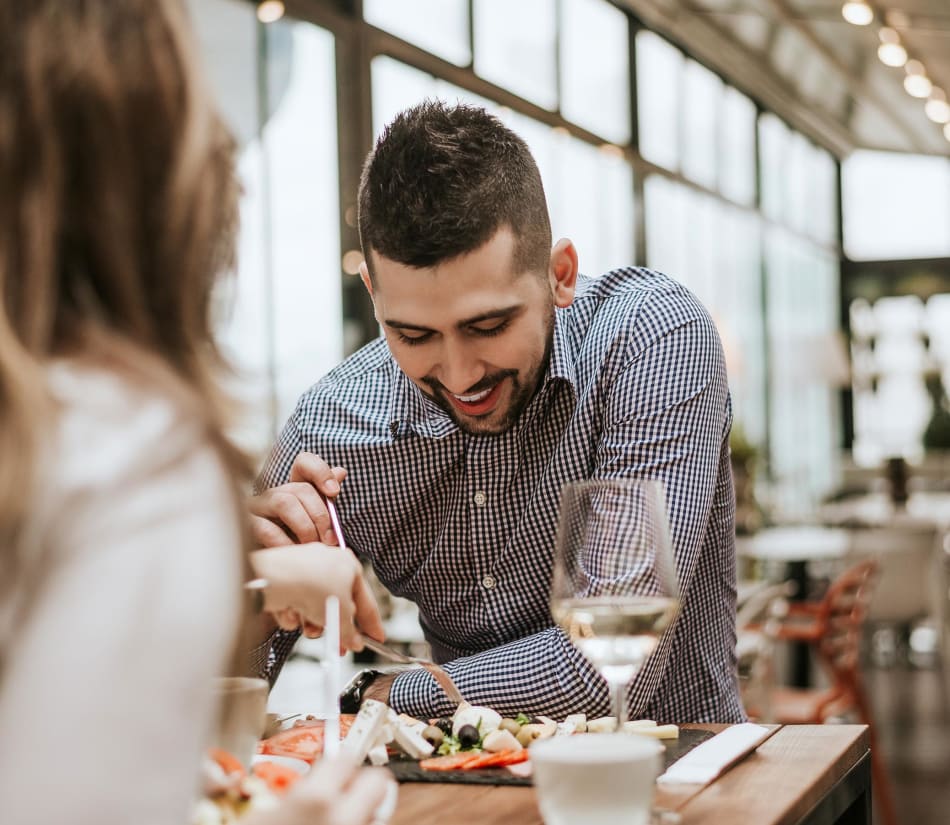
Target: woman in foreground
121, 546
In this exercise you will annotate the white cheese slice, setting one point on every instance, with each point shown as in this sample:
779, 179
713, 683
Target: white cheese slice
366, 730
378, 755
409, 737
658, 731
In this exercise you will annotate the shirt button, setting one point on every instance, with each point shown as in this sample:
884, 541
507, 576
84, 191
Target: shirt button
480, 499
488, 582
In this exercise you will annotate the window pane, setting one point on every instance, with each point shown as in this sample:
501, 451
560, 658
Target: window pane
702, 93
397, 86
665, 203
281, 314
515, 47
896, 206
438, 26
797, 173
773, 146
738, 314
808, 367
659, 69
823, 197
300, 140
595, 68
737, 147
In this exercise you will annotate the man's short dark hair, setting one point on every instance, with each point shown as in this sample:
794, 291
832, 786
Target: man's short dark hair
442, 181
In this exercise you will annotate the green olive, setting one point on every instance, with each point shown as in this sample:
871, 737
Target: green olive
433, 736
509, 725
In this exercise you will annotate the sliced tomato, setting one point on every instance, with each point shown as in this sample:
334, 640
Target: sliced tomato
279, 778
502, 759
228, 762
303, 741
451, 762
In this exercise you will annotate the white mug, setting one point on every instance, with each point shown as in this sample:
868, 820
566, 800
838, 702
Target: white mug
596, 779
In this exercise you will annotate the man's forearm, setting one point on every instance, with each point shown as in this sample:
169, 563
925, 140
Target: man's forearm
540, 674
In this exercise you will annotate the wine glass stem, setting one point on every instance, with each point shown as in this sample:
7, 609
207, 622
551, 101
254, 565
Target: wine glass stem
618, 694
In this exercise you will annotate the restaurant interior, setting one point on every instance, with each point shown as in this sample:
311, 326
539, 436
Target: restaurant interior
789, 162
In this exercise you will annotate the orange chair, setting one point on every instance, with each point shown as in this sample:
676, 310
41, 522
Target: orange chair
833, 628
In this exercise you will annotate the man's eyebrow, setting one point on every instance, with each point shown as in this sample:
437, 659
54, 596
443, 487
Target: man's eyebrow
503, 312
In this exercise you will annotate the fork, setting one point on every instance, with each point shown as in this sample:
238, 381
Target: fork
443, 678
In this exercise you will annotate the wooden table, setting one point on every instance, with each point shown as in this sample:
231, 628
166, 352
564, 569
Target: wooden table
814, 774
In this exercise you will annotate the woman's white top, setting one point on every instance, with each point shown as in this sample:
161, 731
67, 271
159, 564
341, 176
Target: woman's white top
122, 615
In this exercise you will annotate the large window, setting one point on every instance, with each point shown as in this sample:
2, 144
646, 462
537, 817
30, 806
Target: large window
281, 316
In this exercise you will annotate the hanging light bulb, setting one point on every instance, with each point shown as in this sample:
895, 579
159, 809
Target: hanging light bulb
857, 12
270, 11
936, 107
891, 52
916, 84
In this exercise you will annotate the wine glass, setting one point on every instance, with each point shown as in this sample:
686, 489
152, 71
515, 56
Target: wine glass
614, 588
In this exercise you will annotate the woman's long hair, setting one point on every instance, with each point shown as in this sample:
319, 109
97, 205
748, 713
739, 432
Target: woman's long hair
118, 205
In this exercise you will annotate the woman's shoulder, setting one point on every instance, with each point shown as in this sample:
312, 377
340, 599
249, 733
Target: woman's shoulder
111, 426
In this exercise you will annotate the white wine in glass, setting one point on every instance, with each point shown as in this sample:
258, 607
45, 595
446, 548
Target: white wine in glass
614, 589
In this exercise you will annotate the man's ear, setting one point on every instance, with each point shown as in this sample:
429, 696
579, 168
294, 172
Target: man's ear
562, 272
364, 277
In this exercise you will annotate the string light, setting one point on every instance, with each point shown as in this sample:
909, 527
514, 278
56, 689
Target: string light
270, 11
891, 52
936, 107
857, 12
916, 84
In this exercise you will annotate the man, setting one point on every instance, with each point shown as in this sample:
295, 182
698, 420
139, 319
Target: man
502, 375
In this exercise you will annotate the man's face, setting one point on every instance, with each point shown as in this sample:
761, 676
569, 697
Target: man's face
472, 333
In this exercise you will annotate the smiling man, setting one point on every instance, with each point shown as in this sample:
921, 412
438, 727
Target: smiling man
501, 375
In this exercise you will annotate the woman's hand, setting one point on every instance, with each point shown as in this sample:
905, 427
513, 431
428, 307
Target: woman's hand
301, 576
335, 792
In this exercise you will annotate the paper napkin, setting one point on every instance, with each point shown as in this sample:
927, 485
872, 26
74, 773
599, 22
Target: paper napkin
706, 761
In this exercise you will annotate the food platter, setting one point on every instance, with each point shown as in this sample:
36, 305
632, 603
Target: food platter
403, 743
408, 770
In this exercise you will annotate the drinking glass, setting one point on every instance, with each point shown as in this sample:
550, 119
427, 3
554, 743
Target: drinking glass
242, 715
614, 587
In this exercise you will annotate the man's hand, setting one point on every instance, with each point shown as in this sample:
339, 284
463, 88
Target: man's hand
295, 512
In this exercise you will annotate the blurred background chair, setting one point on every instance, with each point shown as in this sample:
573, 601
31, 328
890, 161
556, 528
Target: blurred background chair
833, 628
906, 615
757, 623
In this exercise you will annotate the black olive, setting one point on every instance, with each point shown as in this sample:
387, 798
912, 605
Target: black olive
445, 725
468, 736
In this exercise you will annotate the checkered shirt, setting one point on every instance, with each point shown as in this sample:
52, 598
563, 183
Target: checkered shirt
464, 525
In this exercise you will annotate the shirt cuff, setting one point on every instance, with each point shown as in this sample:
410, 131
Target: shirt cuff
416, 693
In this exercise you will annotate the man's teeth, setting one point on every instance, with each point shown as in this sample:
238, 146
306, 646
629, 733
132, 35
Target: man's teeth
471, 399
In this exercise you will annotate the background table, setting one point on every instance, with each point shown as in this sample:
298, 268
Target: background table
807, 774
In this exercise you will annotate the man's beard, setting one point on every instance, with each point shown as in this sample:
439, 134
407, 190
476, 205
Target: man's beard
522, 391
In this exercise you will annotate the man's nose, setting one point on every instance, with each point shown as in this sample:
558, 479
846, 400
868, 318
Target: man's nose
459, 368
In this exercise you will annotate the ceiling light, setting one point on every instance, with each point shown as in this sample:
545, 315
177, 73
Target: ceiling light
270, 11
937, 108
857, 12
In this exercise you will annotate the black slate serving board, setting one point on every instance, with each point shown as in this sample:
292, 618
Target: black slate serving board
408, 770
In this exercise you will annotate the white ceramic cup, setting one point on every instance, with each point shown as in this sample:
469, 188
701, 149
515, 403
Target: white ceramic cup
596, 779
242, 715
